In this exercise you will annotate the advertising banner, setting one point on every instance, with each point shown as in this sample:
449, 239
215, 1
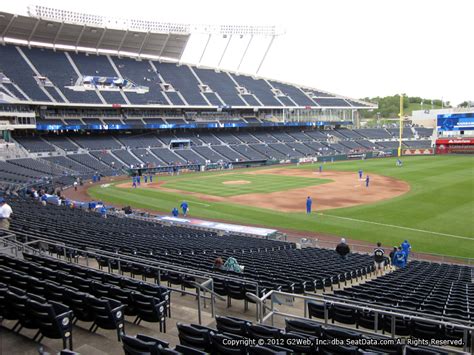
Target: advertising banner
455, 145
422, 151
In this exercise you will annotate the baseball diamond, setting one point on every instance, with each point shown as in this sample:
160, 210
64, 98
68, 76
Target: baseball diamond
276, 198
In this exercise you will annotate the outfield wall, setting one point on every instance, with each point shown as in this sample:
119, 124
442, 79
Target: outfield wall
455, 146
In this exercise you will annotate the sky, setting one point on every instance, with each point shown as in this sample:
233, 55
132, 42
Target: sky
359, 49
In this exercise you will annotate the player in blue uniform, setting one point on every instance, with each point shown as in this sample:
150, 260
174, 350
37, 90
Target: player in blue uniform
185, 208
175, 212
360, 174
134, 182
367, 180
309, 203
406, 249
145, 178
151, 178
320, 169
103, 211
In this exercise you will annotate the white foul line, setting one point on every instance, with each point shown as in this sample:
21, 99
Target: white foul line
400, 227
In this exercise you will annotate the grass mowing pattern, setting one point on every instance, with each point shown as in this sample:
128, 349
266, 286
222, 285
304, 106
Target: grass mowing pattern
441, 199
261, 183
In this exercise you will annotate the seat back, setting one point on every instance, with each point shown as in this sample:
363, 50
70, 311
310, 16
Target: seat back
194, 337
52, 318
220, 344
231, 325
301, 326
134, 346
316, 309
258, 331
107, 313
149, 308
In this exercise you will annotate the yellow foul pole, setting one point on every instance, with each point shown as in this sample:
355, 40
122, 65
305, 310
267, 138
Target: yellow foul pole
401, 127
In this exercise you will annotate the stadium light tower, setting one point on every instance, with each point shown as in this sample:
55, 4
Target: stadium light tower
230, 31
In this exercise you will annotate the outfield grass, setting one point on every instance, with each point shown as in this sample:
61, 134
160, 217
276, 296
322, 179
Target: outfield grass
436, 215
215, 184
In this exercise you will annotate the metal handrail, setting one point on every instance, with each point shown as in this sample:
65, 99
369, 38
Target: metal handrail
199, 287
273, 311
128, 259
131, 259
158, 264
204, 287
351, 302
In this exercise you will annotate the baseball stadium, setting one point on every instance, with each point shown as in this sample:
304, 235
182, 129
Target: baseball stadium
153, 206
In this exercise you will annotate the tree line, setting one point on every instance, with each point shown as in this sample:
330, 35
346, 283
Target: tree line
389, 106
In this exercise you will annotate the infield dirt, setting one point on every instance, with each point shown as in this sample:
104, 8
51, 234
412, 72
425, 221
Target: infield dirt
345, 190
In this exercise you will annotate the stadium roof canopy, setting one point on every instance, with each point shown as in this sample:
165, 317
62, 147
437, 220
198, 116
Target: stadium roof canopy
90, 32
129, 37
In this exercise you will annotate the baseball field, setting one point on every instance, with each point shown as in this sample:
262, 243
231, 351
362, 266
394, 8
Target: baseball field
429, 200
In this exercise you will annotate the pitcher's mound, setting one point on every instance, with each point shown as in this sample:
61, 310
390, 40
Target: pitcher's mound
236, 182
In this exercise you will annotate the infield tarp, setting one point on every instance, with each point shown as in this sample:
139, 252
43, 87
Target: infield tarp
225, 227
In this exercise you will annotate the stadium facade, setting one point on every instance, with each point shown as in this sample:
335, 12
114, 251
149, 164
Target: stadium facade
84, 93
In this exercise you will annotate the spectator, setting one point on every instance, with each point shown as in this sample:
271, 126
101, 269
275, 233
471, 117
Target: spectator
392, 256
5, 214
231, 264
343, 249
400, 258
218, 263
379, 259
